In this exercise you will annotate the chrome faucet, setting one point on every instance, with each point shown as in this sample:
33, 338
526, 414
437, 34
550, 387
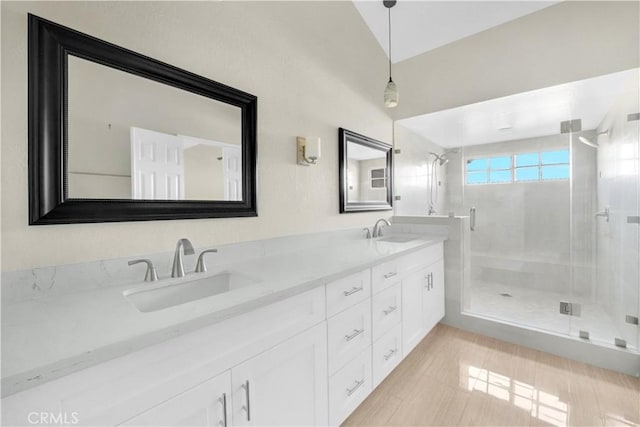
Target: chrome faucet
184, 245
377, 230
151, 275
201, 267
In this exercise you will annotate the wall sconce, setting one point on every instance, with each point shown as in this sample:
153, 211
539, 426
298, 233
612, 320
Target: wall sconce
308, 150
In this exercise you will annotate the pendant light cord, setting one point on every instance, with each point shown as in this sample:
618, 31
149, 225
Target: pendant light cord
389, 44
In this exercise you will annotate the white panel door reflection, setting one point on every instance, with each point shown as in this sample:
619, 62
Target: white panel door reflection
180, 167
156, 165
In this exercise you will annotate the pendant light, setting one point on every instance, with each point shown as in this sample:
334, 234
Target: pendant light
391, 95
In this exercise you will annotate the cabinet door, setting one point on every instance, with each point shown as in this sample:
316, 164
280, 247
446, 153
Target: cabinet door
413, 327
434, 296
207, 404
286, 385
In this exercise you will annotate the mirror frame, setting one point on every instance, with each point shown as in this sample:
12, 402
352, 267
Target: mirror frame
49, 47
345, 136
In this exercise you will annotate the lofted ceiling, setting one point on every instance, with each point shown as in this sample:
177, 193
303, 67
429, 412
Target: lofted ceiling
420, 26
525, 115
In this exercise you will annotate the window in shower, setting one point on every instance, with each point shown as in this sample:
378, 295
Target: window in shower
547, 165
492, 170
523, 167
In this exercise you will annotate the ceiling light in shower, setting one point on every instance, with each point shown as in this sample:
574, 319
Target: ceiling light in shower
391, 95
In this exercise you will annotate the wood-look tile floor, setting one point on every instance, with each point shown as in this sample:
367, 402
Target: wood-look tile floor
458, 378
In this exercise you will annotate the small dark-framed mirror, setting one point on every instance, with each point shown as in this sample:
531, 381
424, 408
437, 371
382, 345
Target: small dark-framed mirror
366, 173
118, 136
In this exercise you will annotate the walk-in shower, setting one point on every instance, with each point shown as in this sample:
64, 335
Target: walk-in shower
553, 177
556, 246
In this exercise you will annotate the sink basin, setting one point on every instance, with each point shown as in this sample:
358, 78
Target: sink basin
397, 239
155, 297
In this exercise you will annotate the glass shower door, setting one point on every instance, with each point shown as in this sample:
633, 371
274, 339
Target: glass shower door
519, 191
611, 308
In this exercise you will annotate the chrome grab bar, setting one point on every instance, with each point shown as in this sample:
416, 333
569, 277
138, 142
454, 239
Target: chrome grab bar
472, 222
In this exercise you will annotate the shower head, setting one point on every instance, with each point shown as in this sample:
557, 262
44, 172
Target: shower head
588, 142
591, 143
442, 158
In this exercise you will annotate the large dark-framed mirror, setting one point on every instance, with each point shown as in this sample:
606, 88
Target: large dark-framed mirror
117, 136
366, 173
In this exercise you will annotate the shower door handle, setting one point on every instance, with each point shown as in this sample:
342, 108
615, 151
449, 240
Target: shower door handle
472, 221
606, 213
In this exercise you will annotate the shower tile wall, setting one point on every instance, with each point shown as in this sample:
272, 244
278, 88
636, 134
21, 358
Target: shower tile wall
412, 171
522, 235
618, 249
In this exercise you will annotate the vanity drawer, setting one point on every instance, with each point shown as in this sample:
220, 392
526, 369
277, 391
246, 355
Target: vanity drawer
386, 310
387, 354
420, 258
349, 387
349, 333
348, 291
385, 274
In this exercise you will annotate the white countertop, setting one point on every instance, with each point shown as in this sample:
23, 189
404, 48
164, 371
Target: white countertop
49, 337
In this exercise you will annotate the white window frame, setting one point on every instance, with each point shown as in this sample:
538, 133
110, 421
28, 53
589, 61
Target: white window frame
514, 168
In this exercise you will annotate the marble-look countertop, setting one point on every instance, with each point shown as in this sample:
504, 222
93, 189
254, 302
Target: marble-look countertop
56, 335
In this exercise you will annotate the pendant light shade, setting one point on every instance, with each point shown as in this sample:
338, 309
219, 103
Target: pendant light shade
391, 94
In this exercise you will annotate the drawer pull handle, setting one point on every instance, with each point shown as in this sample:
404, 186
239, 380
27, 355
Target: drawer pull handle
390, 354
391, 274
353, 291
390, 310
247, 407
350, 391
223, 401
355, 333
429, 278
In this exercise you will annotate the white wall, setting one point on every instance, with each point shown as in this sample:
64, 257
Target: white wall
203, 173
412, 173
570, 41
314, 67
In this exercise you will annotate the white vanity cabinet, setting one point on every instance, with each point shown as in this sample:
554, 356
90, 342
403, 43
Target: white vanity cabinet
414, 288
369, 336
422, 300
433, 296
349, 343
286, 385
309, 359
207, 404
